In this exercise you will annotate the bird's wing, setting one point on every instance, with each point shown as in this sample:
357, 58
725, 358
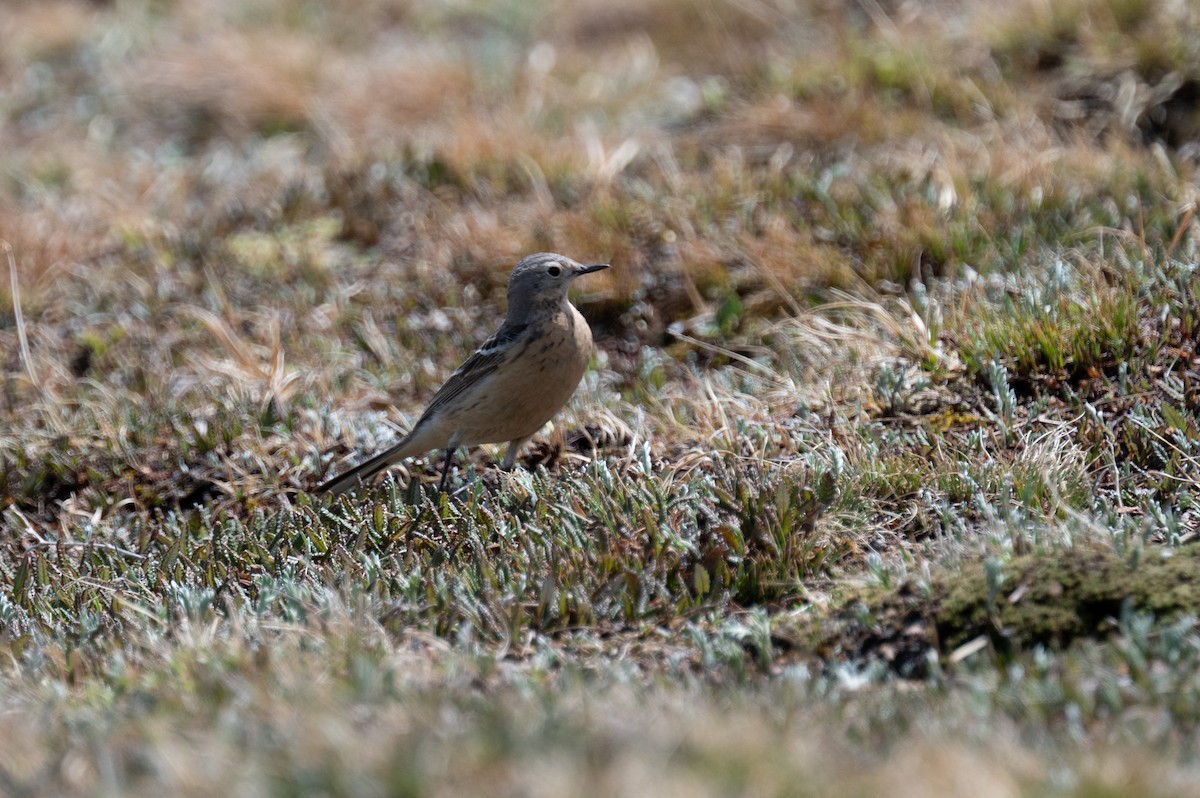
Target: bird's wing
502, 346
508, 342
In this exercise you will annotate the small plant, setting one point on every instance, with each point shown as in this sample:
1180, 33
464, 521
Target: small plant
1005, 399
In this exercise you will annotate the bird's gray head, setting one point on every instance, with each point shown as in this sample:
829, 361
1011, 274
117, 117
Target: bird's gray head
542, 280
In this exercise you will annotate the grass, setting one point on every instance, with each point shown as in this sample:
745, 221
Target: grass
884, 473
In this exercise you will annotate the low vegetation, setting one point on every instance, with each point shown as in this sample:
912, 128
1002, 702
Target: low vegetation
882, 480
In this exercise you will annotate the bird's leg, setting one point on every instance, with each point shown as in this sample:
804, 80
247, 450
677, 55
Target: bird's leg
446, 469
510, 455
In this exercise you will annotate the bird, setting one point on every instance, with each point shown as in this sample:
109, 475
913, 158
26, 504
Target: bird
512, 385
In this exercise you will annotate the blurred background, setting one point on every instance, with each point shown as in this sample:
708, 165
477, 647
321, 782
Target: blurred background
704, 146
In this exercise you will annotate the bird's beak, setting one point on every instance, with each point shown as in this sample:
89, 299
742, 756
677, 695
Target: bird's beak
595, 267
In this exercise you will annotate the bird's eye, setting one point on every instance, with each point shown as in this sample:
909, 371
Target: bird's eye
554, 271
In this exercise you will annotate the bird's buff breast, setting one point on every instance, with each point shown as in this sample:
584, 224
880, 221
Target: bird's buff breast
527, 391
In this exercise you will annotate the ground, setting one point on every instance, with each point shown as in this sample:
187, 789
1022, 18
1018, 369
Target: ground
881, 480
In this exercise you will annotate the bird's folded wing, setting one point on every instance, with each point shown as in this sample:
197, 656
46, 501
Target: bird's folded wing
501, 347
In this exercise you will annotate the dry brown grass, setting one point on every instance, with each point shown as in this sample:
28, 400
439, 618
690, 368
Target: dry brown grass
592, 103
36, 31
223, 85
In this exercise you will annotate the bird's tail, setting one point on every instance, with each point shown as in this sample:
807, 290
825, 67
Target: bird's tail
362, 472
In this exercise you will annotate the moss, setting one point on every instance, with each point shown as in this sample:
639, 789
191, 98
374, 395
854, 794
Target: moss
1048, 599
1070, 594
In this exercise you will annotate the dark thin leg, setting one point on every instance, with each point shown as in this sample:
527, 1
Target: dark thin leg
446, 470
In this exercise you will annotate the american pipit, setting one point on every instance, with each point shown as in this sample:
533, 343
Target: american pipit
513, 384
